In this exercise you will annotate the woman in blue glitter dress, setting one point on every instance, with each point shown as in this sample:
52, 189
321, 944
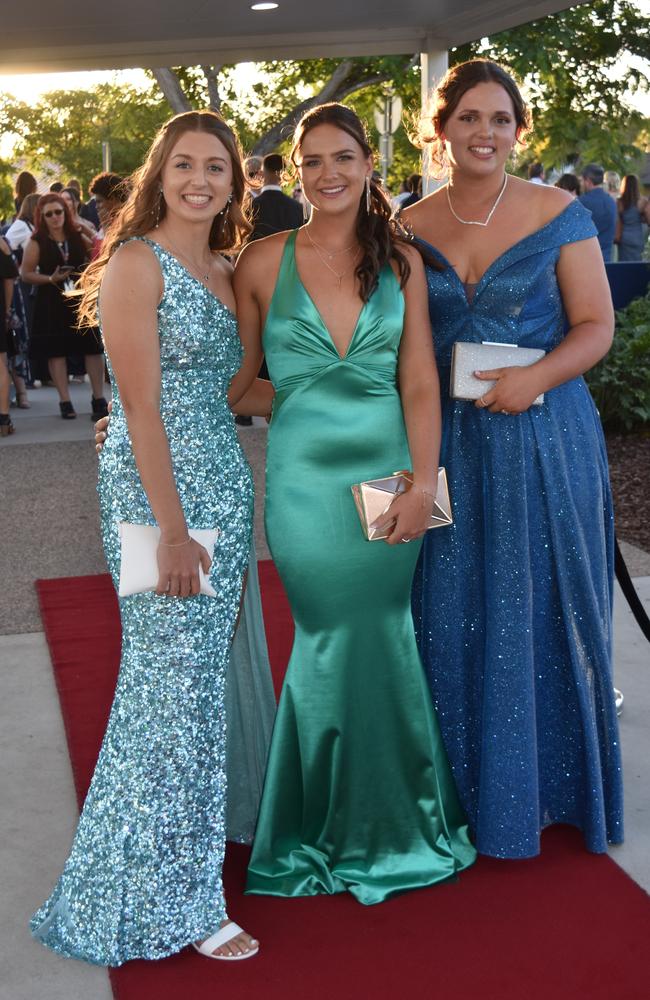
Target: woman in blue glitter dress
143, 879
513, 604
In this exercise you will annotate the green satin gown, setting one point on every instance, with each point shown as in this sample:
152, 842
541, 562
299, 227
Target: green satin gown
358, 793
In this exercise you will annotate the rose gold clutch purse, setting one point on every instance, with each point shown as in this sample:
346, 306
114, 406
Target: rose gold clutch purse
375, 497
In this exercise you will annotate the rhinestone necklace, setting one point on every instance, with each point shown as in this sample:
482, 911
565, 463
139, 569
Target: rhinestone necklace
468, 222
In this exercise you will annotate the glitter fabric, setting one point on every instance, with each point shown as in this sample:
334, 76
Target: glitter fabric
144, 875
513, 603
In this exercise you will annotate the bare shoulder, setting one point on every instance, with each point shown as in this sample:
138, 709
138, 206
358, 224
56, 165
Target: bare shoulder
415, 216
261, 253
414, 258
134, 265
541, 202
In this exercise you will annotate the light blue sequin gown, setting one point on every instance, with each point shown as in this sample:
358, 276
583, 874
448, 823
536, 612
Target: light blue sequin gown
513, 603
144, 875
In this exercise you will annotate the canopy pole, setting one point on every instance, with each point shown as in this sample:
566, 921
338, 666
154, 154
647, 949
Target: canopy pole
434, 61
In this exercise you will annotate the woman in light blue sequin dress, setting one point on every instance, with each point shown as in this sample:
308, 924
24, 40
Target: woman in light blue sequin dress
143, 879
513, 603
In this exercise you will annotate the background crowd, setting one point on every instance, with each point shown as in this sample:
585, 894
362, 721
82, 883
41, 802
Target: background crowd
54, 234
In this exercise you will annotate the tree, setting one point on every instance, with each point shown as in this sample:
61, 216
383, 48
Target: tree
65, 129
6, 190
579, 92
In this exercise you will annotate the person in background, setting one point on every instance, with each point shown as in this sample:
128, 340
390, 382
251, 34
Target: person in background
633, 212
536, 173
273, 211
253, 175
601, 206
612, 183
110, 192
8, 274
53, 259
87, 230
25, 184
415, 190
22, 227
401, 196
570, 183
56, 187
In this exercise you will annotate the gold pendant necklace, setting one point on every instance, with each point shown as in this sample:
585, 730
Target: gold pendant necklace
339, 275
330, 254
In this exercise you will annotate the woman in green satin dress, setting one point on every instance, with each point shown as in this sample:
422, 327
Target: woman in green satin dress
358, 793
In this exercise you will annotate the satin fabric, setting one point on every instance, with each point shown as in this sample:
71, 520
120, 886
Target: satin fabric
513, 603
358, 793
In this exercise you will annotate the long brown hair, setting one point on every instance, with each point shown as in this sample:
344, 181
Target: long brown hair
145, 206
630, 191
447, 96
380, 237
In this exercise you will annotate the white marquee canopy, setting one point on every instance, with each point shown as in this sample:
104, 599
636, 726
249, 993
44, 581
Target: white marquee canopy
98, 34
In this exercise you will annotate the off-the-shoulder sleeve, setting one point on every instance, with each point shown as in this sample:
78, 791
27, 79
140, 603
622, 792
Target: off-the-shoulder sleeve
7, 267
576, 223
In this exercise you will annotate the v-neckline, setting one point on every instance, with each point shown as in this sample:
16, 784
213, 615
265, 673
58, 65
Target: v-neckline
478, 285
192, 276
330, 338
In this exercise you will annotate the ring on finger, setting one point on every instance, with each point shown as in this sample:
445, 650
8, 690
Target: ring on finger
483, 401
506, 412
405, 540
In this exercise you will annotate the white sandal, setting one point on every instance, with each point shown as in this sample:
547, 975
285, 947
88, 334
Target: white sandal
221, 937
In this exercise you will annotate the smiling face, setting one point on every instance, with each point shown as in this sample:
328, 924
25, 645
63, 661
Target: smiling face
197, 177
481, 131
333, 169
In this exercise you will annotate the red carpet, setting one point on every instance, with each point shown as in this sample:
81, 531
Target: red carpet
565, 926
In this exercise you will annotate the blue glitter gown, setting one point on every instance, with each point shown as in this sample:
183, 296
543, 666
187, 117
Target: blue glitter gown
513, 604
144, 875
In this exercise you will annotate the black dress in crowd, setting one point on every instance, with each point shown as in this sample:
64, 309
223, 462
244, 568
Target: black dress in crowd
54, 327
7, 270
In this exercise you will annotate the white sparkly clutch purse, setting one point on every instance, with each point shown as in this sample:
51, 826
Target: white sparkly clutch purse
467, 358
139, 563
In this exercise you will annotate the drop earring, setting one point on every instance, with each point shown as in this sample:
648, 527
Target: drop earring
224, 210
368, 198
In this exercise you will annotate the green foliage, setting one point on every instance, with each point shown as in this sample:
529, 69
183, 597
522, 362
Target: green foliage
64, 130
620, 383
576, 82
6, 189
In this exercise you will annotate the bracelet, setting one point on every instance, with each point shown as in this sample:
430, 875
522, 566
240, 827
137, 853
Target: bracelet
426, 493
176, 545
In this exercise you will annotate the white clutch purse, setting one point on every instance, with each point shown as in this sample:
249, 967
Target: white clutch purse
139, 565
467, 358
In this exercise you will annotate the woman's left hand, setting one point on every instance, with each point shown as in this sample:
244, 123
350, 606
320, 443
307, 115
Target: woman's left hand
409, 515
515, 391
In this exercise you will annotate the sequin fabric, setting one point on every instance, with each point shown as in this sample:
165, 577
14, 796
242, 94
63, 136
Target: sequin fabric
144, 875
513, 603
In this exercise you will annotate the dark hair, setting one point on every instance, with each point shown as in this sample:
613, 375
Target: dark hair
25, 184
569, 182
630, 191
110, 186
380, 237
447, 96
535, 170
56, 187
273, 163
41, 234
414, 183
594, 173
74, 194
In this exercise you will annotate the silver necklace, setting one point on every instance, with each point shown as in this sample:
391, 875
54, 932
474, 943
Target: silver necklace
339, 275
192, 268
471, 222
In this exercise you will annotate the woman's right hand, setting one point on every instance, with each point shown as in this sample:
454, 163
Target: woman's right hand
178, 568
60, 274
101, 429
